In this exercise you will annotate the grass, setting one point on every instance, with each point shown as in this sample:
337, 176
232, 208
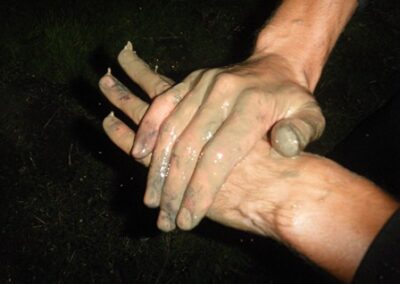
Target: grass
71, 202
70, 39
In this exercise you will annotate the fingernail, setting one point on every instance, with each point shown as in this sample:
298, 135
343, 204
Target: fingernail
139, 151
286, 141
107, 81
184, 219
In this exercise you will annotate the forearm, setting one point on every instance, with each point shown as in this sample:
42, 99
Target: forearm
336, 229
304, 32
313, 205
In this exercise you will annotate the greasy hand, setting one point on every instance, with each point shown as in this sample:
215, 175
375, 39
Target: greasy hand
255, 188
198, 130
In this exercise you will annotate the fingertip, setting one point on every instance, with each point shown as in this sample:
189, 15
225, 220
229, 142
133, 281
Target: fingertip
144, 143
164, 222
136, 149
128, 46
108, 121
123, 54
126, 53
285, 140
107, 81
184, 220
139, 151
151, 199
109, 117
290, 136
151, 203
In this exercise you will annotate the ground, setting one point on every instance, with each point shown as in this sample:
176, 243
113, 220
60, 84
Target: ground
71, 205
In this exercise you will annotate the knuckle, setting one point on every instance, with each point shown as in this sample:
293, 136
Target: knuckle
208, 75
167, 127
171, 97
160, 100
180, 149
184, 154
179, 87
175, 95
161, 86
225, 80
211, 72
194, 75
211, 153
146, 122
252, 98
254, 94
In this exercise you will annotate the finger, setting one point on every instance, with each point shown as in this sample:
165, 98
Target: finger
122, 98
186, 153
159, 110
140, 72
292, 134
231, 143
170, 130
121, 135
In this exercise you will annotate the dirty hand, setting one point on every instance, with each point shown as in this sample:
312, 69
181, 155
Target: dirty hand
310, 203
199, 129
255, 186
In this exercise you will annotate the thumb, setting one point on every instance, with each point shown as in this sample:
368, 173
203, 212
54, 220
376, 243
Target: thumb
292, 134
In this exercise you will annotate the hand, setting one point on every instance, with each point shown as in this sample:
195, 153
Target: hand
254, 182
310, 203
199, 129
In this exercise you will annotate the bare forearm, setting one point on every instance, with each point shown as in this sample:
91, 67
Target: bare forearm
325, 212
313, 205
304, 32
336, 229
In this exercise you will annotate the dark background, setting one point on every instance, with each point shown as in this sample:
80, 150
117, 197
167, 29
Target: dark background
71, 202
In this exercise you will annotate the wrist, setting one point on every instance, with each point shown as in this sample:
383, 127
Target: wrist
305, 61
304, 33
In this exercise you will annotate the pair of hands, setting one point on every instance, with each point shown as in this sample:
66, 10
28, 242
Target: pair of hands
196, 132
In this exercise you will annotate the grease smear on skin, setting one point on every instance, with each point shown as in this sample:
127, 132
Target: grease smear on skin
219, 157
164, 167
208, 136
225, 108
164, 163
192, 153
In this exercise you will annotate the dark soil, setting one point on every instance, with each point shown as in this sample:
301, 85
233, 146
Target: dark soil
71, 205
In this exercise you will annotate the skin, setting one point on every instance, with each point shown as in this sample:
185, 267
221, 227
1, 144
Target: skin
206, 160
199, 129
311, 204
